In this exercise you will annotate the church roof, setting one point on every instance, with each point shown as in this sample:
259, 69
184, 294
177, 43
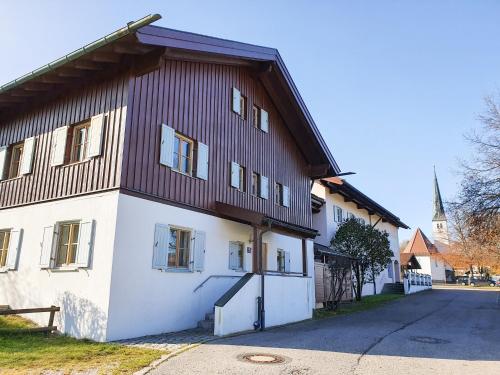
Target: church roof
438, 209
420, 245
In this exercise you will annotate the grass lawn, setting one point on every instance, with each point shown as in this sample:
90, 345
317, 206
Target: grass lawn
32, 353
366, 303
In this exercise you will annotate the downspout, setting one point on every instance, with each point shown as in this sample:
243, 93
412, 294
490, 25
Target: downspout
262, 278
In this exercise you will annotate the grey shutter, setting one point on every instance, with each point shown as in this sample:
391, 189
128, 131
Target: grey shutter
48, 240
160, 248
199, 250
287, 261
264, 187
236, 101
14, 247
28, 155
96, 135
202, 162
286, 196
58, 151
3, 160
85, 242
264, 121
235, 175
167, 145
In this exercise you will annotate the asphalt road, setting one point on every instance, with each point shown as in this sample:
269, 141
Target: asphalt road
435, 332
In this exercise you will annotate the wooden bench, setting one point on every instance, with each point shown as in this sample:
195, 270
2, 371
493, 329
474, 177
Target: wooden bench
50, 327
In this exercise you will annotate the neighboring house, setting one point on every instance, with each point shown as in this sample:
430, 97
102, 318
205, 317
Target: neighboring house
334, 201
147, 179
430, 255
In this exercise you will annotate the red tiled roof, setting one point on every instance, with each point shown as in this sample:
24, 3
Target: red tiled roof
420, 245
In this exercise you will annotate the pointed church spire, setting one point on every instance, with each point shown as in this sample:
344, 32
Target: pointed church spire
438, 209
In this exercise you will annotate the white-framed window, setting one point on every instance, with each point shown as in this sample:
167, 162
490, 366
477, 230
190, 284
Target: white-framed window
177, 248
67, 244
338, 214
4, 246
238, 176
236, 255
282, 261
255, 184
183, 155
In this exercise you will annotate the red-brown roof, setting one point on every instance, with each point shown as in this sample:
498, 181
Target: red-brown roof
420, 245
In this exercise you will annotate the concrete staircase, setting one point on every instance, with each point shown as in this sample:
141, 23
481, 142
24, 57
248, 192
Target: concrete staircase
393, 288
208, 322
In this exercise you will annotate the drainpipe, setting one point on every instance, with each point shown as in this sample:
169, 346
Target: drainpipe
262, 278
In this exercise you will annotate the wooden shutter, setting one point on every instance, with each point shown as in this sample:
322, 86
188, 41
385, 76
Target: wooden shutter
199, 250
48, 239
3, 161
167, 145
286, 196
264, 121
264, 187
14, 247
235, 175
28, 155
85, 242
236, 101
160, 247
96, 135
287, 261
202, 161
58, 146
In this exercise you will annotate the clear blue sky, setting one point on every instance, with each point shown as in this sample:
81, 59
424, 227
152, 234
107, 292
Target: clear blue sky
392, 85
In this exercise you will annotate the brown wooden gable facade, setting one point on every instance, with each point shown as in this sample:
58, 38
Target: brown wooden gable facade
195, 99
185, 81
47, 182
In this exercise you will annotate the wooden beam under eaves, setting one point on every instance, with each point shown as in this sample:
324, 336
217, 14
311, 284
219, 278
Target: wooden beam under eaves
36, 86
87, 65
107, 57
69, 72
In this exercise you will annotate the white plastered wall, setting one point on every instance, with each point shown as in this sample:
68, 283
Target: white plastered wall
83, 294
324, 222
148, 301
432, 266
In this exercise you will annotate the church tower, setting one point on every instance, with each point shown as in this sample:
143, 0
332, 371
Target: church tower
439, 221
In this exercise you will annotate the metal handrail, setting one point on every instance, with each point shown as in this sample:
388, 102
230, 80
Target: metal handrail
215, 277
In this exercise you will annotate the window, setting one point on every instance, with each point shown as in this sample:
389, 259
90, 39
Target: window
256, 184
243, 107
236, 255
4, 246
16, 155
183, 155
280, 260
338, 214
241, 178
278, 194
256, 116
179, 248
80, 142
67, 245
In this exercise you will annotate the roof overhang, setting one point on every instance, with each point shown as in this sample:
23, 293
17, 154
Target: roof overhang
140, 45
351, 194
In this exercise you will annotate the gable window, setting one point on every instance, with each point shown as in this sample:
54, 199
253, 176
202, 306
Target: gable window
79, 142
4, 246
243, 107
278, 193
179, 248
16, 155
183, 155
236, 255
67, 245
256, 116
338, 214
255, 184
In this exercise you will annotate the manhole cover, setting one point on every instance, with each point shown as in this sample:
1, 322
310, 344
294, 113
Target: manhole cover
428, 340
262, 358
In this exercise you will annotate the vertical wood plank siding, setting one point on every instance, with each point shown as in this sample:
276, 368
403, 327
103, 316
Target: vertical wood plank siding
195, 99
100, 173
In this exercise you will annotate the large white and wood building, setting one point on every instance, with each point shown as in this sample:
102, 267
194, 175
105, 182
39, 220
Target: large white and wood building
154, 177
